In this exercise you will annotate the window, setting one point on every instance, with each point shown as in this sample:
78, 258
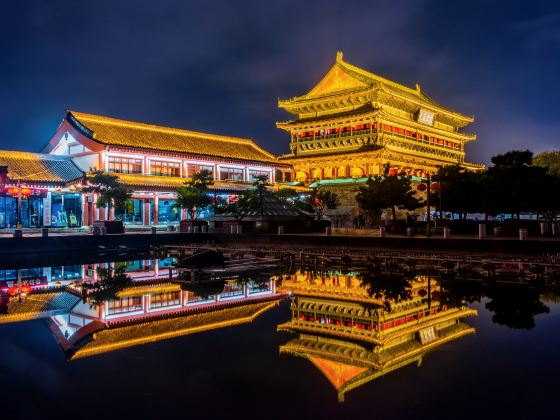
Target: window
124, 165
161, 168
231, 174
193, 168
123, 305
253, 174
161, 300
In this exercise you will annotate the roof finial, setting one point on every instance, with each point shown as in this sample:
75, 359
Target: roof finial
339, 56
418, 87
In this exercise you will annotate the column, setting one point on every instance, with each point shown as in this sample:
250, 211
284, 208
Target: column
146, 212
85, 215
111, 214
156, 204
101, 213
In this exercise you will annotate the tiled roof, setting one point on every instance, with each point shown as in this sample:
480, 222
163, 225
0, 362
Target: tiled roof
132, 335
115, 132
39, 305
172, 182
153, 181
37, 167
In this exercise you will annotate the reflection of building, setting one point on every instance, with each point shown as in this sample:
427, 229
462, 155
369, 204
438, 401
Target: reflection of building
353, 338
153, 311
353, 122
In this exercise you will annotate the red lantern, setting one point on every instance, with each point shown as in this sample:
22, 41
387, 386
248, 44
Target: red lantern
421, 187
392, 172
26, 192
13, 190
435, 186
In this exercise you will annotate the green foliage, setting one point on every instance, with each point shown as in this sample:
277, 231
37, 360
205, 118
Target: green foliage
248, 201
287, 195
110, 282
384, 191
460, 190
513, 185
319, 200
194, 196
549, 160
111, 192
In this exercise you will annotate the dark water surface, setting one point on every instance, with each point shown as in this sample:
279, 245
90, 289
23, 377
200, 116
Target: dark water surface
238, 372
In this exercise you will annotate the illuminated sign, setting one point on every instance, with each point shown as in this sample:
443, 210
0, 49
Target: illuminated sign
425, 117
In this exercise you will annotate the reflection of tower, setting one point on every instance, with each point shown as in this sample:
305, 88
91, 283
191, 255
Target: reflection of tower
353, 338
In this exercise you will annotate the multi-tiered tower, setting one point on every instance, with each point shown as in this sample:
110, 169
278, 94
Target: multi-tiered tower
353, 122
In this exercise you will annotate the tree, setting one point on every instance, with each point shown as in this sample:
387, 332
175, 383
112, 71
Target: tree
260, 183
384, 191
247, 202
319, 200
459, 189
549, 160
194, 196
513, 185
110, 282
111, 192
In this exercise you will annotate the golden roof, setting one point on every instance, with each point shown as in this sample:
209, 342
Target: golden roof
149, 288
344, 78
348, 366
173, 182
39, 305
116, 132
38, 167
131, 335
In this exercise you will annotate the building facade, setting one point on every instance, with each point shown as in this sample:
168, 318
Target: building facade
152, 160
353, 122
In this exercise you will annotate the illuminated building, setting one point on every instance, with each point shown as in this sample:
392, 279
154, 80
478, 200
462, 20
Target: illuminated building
46, 186
354, 338
154, 161
353, 122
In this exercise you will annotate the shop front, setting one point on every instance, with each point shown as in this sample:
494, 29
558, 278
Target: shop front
40, 207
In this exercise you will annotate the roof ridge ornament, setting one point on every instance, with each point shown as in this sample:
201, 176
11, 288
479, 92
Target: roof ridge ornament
339, 56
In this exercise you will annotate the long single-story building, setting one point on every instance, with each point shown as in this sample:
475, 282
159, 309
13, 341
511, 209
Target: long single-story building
153, 160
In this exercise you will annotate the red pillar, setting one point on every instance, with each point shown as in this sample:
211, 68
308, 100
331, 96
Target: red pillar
85, 215
156, 202
146, 212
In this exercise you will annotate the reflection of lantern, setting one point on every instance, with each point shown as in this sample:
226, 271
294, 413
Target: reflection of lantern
435, 186
421, 187
25, 289
12, 291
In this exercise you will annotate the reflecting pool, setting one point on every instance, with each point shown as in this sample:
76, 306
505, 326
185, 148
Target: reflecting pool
139, 339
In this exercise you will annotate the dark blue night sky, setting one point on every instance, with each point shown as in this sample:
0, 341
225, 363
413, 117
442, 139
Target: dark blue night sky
219, 66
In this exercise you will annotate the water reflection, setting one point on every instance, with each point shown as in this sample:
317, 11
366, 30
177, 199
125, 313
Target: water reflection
355, 328
109, 306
